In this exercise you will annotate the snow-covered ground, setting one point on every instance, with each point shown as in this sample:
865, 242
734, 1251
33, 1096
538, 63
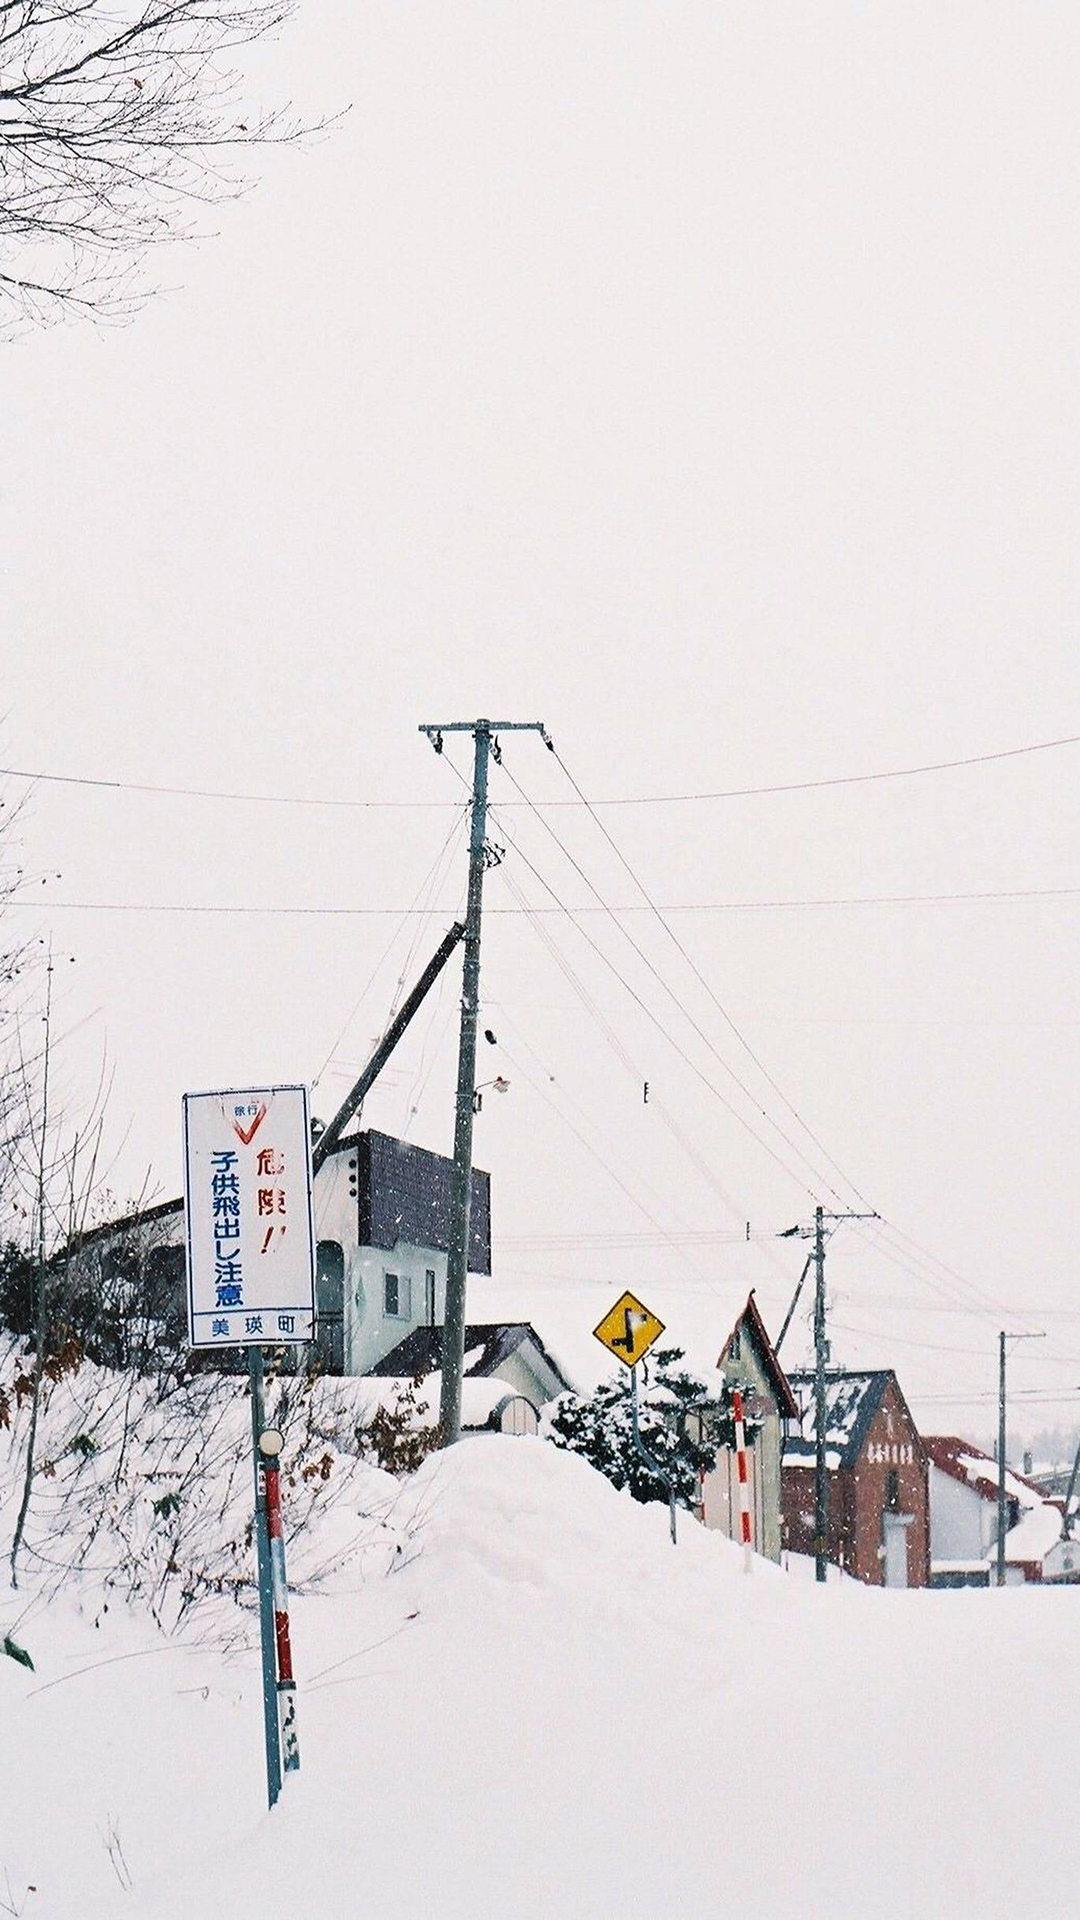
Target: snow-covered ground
538, 1707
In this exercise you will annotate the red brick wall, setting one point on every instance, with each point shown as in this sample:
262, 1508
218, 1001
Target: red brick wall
858, 1497
891, 1446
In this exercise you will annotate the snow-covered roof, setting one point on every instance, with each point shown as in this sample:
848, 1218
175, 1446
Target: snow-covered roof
851, 1401
973, 1468
481, 1396
751, 1324
1034, 1534
487, 1348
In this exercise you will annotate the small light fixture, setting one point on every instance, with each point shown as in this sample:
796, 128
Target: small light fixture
271, 1442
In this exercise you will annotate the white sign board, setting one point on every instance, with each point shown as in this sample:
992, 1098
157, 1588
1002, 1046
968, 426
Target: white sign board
250, 1233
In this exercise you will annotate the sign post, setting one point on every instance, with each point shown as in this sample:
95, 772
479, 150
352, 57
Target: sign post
628, 1331
251, 1283
266, 1593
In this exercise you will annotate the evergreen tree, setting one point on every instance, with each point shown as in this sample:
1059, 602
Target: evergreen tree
683, 1423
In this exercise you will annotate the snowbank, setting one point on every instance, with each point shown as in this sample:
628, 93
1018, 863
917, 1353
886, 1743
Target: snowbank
540, 1708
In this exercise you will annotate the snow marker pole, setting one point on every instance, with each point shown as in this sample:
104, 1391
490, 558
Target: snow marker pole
266, 1598
744, 1497
286, 1685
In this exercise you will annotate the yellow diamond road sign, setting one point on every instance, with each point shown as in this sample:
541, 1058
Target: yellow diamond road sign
629, 1330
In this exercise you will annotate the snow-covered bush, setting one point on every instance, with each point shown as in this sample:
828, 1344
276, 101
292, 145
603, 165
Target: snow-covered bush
142, 1493
683, 1419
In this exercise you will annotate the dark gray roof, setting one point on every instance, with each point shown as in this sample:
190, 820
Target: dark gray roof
851, 1401
404, 1194
486, 1348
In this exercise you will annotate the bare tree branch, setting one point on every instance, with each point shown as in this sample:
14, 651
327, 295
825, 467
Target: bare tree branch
117, 121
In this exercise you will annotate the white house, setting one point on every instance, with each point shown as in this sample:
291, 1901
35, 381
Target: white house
382, 1224
964, 1520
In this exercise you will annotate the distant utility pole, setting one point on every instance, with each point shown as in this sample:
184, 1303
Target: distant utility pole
1002, 1337
484, 734
821, 1358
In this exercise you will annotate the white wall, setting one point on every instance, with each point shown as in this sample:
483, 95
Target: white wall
963, 1525
371, 1333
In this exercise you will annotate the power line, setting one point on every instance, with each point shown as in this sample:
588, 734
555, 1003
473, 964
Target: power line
658, 1024
611, 1036
949, 1286
632, 1194
849, 779
681, 1008
937, 1346
42, 776
1013, 895
427, 885
713, 996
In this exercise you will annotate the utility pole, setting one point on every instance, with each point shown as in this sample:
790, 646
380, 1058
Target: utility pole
1002, 1337
484, 734
821, 1354
821, 1360
1001, 1461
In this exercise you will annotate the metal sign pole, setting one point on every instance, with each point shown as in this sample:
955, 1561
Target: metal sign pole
286, 1685
250, 1231
648, 1458
266, 1592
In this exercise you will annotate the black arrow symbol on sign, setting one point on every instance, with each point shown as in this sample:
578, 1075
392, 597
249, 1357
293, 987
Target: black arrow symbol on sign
627, 1339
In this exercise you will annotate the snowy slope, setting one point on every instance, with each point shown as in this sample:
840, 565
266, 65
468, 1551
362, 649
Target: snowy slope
547, 1710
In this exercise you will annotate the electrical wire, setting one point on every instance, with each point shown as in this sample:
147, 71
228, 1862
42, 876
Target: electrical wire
631, 1193
1011, 896
684, 1237
455, 827
688, 1016
41, 776
658, 1024
713, 996
613, 1040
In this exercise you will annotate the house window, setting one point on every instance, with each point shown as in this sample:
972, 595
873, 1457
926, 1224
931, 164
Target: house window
429, 1296
397, 1296
892, 1490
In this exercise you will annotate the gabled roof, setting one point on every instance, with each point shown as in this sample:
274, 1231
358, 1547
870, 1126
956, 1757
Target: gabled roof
487, 1348
1035, 1533
751, 1324
973, 1468
851, 1401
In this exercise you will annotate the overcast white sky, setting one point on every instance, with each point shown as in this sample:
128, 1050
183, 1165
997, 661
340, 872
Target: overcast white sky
701, 380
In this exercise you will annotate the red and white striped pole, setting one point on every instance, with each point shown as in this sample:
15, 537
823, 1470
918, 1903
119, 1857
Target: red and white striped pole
744, 1496
286, 1685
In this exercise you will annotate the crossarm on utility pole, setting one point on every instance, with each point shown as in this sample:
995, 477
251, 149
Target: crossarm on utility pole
354, 1099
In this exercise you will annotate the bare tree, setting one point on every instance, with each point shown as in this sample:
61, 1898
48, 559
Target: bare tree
16, 957
61, 1172
117, 117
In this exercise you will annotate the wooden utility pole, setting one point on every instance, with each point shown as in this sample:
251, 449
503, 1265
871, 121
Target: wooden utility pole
821, 1361
1001, 1505
457, 1260
821, 1355
1001, 1461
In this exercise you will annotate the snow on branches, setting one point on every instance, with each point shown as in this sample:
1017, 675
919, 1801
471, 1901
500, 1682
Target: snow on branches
683, 1421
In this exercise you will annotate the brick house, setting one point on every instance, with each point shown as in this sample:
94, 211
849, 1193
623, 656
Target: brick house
879, 1503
